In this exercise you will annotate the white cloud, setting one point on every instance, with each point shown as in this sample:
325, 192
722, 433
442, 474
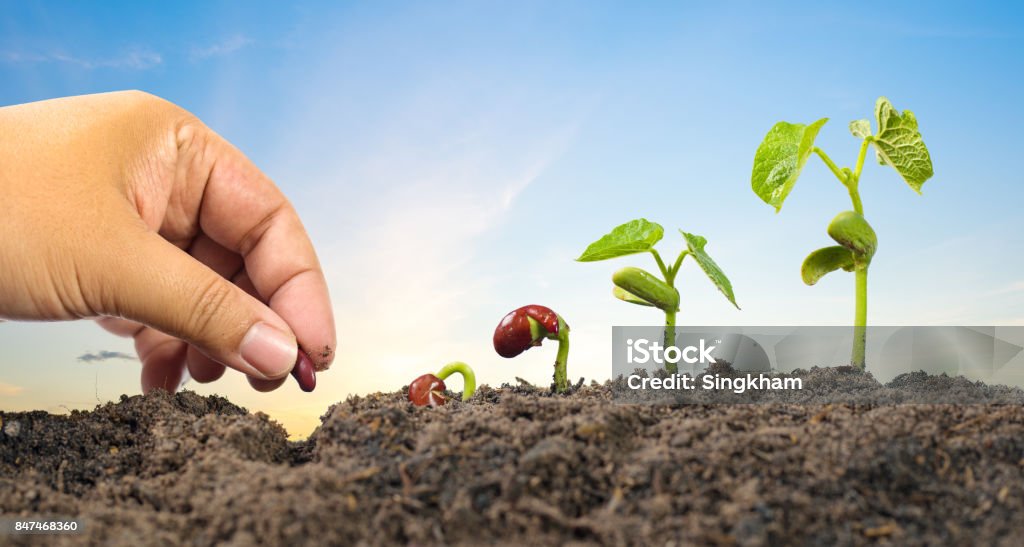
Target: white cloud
226, 46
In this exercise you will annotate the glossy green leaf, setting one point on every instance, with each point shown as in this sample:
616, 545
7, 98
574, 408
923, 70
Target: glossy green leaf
626, 296
780, 158
695, 244
825, 260
860, 128
636, 236
852, 231
899, 144
647, 287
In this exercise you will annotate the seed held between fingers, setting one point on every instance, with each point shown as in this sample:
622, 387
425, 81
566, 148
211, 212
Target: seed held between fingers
304, 372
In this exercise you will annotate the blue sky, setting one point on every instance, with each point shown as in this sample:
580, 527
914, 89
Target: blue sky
450, 160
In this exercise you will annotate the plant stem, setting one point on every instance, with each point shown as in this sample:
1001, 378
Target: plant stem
853, 185
675, 267
670, 338
661, 264
670, 315
860, 320
831, 164
468, 377
860, 157
562, 358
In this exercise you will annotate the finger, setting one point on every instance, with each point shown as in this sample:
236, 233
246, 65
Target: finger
265, 386
214, 256
203, 369
224, 263
244, 211
242, 281
158, 352
163, 360
165, 288
120, 327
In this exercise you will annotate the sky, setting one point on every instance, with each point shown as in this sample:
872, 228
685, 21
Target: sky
451, 159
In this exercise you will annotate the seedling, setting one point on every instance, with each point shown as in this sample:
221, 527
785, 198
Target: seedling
528, 326
643, 288
428, 390
778, 163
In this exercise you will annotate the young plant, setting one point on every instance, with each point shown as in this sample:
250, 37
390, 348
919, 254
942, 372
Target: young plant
643, 288
528, 326
428, 390
778, 163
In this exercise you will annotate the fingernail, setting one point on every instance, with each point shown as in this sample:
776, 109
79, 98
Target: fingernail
268, 351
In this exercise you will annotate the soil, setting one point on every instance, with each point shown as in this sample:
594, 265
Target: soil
517, 465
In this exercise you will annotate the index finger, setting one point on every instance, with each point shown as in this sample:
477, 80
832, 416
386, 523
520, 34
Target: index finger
242, 210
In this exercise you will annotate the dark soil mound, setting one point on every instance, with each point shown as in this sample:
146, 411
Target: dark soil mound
520, 466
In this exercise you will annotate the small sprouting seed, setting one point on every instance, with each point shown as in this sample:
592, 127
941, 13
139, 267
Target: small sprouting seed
514, 334
528, 326
427, 390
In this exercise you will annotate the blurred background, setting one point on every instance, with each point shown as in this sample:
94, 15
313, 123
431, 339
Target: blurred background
450, 160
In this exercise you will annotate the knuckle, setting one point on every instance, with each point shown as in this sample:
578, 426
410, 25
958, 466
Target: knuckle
254, 235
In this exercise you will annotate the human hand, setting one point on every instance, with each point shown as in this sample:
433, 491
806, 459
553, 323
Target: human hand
125, 208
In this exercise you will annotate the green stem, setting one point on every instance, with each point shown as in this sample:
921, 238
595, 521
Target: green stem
851, 180
661, 263
670, 279
670, 338
670, 315
468, 377
855, 198
562, 358
853, 185
831, 164
860, 321
860, 157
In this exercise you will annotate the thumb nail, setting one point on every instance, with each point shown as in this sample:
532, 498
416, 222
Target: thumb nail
270, 352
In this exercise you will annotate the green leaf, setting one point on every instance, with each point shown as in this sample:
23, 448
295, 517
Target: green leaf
626, 296
852, 231
635, 236
696, 244
860, 128
824, 261
899, 144
780, 158
647, 287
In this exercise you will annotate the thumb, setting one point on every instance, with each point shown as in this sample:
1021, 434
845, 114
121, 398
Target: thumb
163, 287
